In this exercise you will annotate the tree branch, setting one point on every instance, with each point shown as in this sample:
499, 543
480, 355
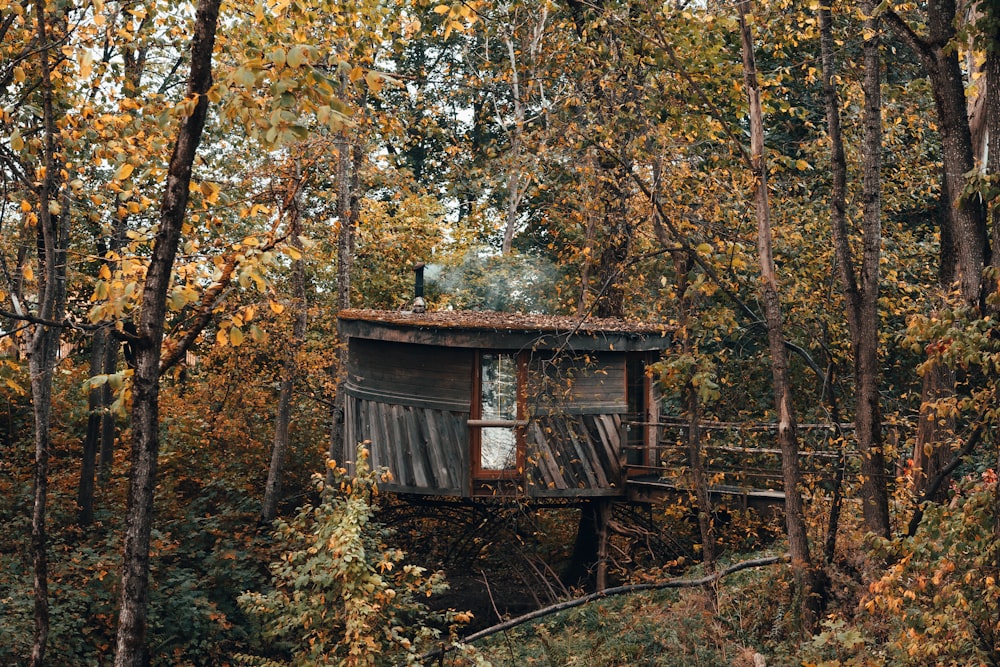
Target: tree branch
64, 324
920, 46
931, 489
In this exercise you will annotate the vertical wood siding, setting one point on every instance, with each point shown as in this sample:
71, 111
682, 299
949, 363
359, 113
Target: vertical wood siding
573, 454
425, 449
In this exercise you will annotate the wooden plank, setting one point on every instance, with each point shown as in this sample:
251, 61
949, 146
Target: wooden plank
609, 427
458, 453
592, 449
401, 443
546, 465
417, 447
390, 326
350, 426
408, 374
385, 440
561, 452
585, 462
440, 476
580, 384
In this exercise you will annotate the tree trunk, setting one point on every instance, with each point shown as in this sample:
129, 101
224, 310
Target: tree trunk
107, 439
91, 442
798, 544
992, 68
53, 240
588, 564
940, 60
272, 490
931, 450
347, 184
695, 459
134, 590
861, 300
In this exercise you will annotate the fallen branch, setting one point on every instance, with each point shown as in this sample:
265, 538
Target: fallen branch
606, 593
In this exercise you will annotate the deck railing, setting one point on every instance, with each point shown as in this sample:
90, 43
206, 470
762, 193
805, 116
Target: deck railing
735, 455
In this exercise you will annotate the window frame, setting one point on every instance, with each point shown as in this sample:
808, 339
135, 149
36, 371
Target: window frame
518, 425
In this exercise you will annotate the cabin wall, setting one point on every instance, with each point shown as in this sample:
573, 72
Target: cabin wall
426, 450
577, 384
573, 442
574, 455
411, 402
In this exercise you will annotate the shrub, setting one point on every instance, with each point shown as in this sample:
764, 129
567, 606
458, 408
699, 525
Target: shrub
340, 594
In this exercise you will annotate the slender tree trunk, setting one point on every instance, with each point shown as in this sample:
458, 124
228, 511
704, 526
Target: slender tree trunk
861, 299
272, 490
798, 543
868, 414
931, 450
348, 183
992, 68
92, 440
134, 590
695, 458
107, 439
53, 239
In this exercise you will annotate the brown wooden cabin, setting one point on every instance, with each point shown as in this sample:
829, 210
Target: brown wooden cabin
495, 404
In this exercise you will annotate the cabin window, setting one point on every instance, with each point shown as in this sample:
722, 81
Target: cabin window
497, 421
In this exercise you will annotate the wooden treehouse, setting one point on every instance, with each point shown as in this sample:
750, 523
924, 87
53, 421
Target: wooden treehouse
476, 404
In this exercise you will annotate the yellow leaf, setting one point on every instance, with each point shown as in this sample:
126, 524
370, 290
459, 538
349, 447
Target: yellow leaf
16, 141
374, 81
19, 75
210, 191
28, 273
276, 307
25, 206
293, 252
442, 9
802, 165
235, 336
296, 56
124, 171
277, 56
221, 337
86, 64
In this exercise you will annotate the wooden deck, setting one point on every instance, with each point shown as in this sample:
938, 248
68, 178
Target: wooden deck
652, 488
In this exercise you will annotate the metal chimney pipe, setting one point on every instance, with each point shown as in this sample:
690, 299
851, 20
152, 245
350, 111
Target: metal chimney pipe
419, 306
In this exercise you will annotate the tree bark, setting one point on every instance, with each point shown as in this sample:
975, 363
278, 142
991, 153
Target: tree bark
53, 241
272, 489
134, 590
695, 459
107, 439
861, 299
96, 401
798, 543
347, 185
992, 67
940, 60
